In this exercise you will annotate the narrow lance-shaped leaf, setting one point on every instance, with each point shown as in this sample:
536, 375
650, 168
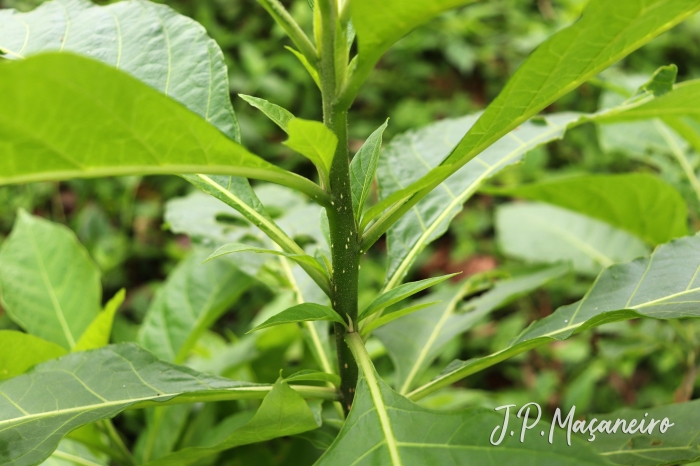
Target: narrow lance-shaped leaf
313, 376
400, 293
193, 297
639, 203
20, 351
280, 116
363, 168
665, 285
414, 341
177, 58
104, 122
542, 233
302, 313
282, 413
385, 428
50, 286
100, 329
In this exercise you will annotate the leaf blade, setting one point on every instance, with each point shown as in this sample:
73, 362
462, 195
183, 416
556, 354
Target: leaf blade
301, 313
363, 168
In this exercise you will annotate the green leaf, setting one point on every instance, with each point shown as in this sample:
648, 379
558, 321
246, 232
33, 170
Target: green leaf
194, 296
384, 428
50, 286
372, 325
282, 413
98, 333
313, 376
678, 445
177, 58
391, 297
363, 168
661, 82
104, 122
315, 142
665, 285
565, 61
638, 203
379, 25
301, 313
86, 387
72, 453
412, 155
542, 233
416, 340
683, 100
20, 351
279, 116
313, 72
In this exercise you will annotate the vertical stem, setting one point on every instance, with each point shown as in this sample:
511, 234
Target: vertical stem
343, 230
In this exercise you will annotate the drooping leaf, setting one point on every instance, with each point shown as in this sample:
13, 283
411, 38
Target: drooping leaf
391, 297
543, 233
384, 428
678, 445
100, 329
314, 141
104, 122
282, 413
564, 61
638, 203
302, 313
39, 408
313, 376
50, 285
20, 351
177, 58
363, 168
414, 341
665, 285
410, 156
191, 300
279, 115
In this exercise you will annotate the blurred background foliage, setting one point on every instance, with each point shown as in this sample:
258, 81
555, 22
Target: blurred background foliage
453, 66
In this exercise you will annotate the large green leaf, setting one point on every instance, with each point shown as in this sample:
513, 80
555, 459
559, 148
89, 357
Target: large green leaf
191, 300
384, 428
414, 341
50, 286
410, 156
66, 116
167, 51
665, 285
20, 351
39, 408
639, 203
566, 60
282, 413
679, 444
543, 233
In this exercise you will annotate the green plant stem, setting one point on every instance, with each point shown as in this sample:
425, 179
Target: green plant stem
285, 20
343, 229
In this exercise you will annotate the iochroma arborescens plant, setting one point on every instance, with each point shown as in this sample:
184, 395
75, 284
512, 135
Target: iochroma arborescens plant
133, 88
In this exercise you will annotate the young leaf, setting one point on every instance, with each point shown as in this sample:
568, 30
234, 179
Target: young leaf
313, 72
313, 376
191, 300
279, 116
89, 386
301, 313
315, 142
50, 286
319, 275
363, 168
414, 341
385, 428
117, 126
542, 233
664, 285
369, 327
661, 81
412, 155
177, 58
638, 203
100, 329
20, 351
282, 413
400, 293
